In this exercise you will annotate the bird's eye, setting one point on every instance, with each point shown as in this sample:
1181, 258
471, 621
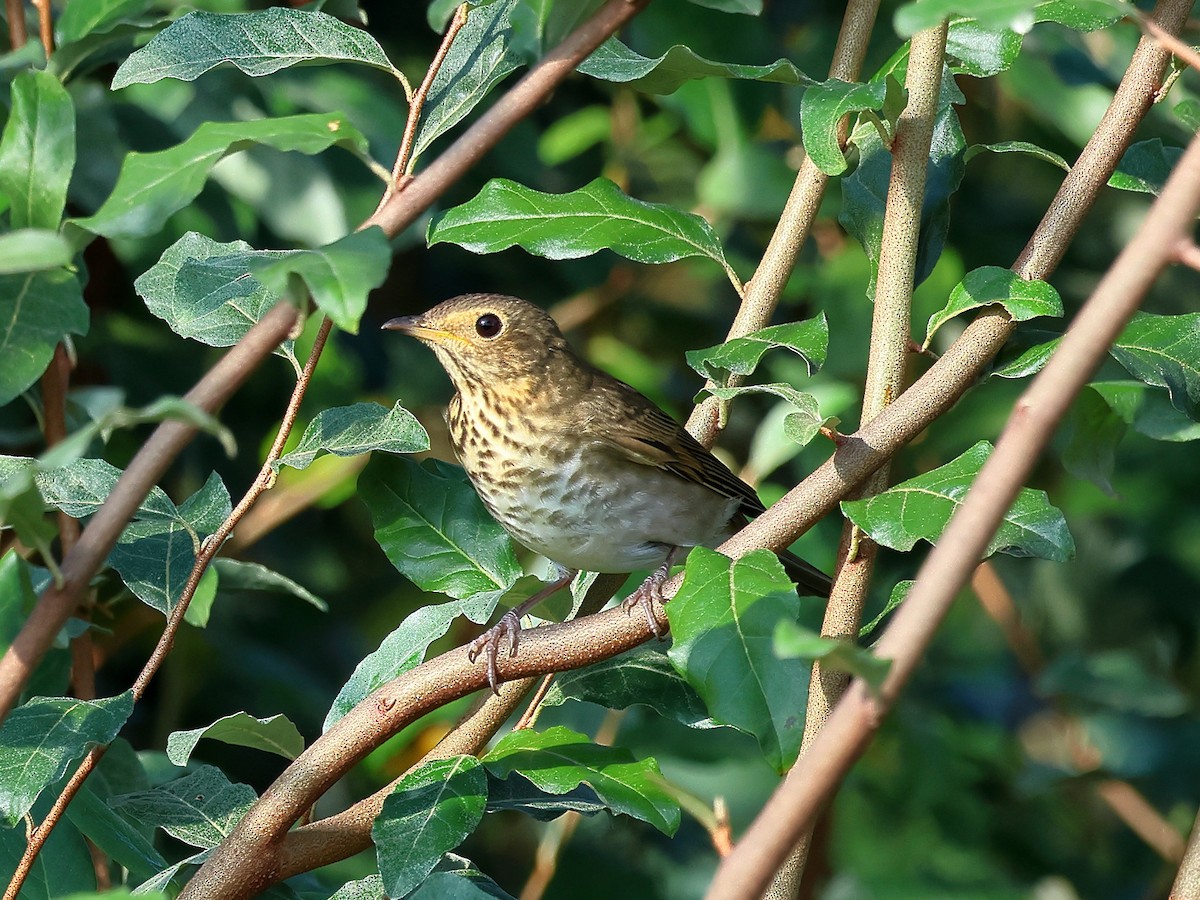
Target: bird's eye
488, 325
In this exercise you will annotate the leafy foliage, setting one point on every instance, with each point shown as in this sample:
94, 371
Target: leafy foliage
164, 184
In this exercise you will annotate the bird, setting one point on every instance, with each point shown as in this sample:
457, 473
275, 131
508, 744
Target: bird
574, 464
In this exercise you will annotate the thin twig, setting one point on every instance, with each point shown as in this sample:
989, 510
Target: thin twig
58, 602
404, 160
529, 717
947, 568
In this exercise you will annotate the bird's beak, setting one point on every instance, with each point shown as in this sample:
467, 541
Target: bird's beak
414, 326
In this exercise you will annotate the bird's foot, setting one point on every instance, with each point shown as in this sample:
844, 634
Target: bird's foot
648, 593
490, 641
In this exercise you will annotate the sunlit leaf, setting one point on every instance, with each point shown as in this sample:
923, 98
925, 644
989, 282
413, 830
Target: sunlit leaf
613, 61
37, 150
41, 739
275, 734
596, 217
823, 106
431, 811
1147, 410
33, 250
921, 507
558, 760
1022, 299
200, 809
808, 339
802, 422
257, 43
723, 622
1145, 167
355, 429
1164, 351
152, 186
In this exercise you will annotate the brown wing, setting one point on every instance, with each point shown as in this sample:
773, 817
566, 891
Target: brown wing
643, 433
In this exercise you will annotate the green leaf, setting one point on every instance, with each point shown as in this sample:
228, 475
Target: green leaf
33, 250
1164, 351
642, 676
238, 575
215, 304
823, 106
86, 17
1030, 361
434, 528
369, 888
17, 597
1081, 15
152, 186
157, 550
404, 649
538, 26
1018, 147
275, 735
793, 641
613, 61
22, 508
1188, 112
980, 51
1145, 167
479, 59
1023, 300
360, 428
596, 217
801, 424
1017, 15
1092, 431
1147, 410
432, 810
37, 310
40, 740
516, 792
339, 276
921, 507
258, 43
558, 760
200, 809
808, 339
63, 867
37, 150
723, 620
898, 595
114, 835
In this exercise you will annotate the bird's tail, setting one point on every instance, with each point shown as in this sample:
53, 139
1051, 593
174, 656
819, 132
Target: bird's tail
810, 581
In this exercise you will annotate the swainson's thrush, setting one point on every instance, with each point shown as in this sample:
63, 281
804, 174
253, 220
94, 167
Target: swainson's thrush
575, 464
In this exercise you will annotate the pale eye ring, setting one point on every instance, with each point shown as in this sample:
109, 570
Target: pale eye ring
488, 325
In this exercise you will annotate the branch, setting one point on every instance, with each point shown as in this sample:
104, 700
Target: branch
860, 454
522, 99
891, 328
57, 603
766, 287
15, 14
948, 567
249, 859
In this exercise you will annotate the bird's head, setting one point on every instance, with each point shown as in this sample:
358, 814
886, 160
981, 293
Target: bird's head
487, 338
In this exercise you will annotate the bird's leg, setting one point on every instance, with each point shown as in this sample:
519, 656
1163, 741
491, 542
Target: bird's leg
650, 590
510, 626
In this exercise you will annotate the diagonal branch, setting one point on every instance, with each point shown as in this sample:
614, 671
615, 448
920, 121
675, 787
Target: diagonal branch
948, 567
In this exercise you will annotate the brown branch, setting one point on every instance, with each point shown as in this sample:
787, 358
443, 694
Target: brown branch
764, 290
45, 25
523, 98
948, 567
404, 159
15, 12
1187, 879
58, 602
249, 859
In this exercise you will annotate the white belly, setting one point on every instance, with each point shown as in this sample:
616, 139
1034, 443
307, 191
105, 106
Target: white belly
600, 524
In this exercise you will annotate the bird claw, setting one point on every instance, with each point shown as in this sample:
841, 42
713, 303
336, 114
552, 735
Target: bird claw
647, 595
509, 626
